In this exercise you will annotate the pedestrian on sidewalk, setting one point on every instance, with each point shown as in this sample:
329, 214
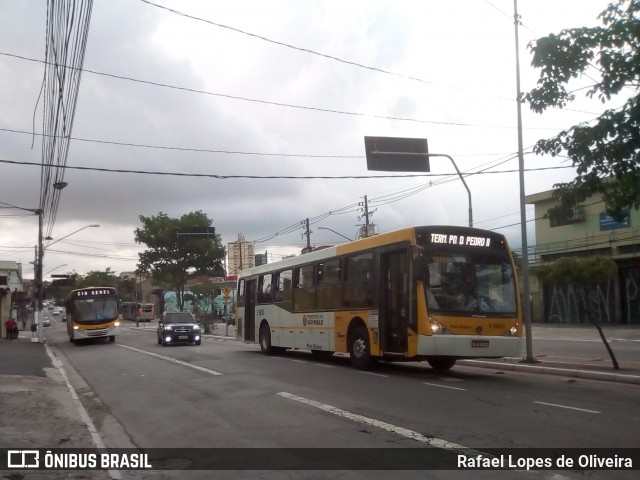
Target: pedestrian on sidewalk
12, 329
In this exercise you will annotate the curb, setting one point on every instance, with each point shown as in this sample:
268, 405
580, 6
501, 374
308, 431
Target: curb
565, 372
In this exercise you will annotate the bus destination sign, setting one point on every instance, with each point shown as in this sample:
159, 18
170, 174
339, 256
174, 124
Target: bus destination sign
94, 292
463, 240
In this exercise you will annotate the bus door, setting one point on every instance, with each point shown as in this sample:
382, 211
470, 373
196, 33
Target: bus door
394, 305
250, 310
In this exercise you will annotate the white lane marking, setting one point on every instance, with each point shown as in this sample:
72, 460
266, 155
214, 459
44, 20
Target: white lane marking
566, 406
95, 436
169, 359
405, 432
374, 374
444, 386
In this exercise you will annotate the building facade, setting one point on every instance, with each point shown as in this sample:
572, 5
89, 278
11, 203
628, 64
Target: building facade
241, 255
10, 288
586, 230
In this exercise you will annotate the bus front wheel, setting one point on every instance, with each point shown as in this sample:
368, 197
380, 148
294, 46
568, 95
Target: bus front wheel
359, 350
265, 340
112, 338
441, 363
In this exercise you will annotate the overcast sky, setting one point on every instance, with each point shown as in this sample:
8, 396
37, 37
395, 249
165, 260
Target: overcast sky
277, 111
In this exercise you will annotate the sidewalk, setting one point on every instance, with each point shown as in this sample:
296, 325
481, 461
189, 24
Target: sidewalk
576, 367
37, 410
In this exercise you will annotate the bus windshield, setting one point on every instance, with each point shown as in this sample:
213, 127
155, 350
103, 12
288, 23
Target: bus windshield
94, 310
470, 283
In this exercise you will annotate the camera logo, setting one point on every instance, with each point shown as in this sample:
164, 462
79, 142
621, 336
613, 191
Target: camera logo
23, 459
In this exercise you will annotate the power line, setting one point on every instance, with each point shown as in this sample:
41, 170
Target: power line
287, 45
191, 149
281, 104
67, 29
271, 177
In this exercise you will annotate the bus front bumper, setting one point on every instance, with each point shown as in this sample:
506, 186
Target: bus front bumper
469, 346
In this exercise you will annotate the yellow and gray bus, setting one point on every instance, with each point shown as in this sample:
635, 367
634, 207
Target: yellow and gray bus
92, 313
434, 293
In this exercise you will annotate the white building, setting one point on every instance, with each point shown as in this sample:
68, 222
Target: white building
241, 255
10, 281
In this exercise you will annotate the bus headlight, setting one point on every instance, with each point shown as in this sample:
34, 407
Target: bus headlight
117, 324
514, 330
436, 327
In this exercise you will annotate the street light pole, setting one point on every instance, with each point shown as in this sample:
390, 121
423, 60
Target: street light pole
63, 265
461, 178
39, 281
331, 230
72, 233
526, 295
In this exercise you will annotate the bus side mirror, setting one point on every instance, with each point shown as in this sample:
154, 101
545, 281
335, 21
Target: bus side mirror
420, 269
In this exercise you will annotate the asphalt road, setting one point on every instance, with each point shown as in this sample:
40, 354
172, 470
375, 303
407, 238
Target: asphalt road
225, 394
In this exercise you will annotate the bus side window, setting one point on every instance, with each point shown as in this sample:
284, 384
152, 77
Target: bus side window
283, 286
264, 288
329, 286
304, 295
240, 299
358, 286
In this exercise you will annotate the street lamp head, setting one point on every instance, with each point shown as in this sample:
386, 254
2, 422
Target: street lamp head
60, 185
94, 225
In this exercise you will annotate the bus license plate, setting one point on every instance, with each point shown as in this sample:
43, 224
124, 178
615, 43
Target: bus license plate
479, 343
183, 337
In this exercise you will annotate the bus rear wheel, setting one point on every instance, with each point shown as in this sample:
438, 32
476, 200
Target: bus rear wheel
265, 340
359, 350
441, 363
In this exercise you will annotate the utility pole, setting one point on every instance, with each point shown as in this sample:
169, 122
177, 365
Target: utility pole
526, 297
307, 232
366, 216
39, 282
366, 229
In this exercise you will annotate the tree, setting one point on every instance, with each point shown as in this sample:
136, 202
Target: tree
96, 278
586, 272
174, 257
127, 289
203, 294
606, 152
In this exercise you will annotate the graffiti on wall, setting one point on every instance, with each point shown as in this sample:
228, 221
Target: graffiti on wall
570, 303
631, 295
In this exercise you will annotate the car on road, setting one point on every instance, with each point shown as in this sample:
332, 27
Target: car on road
46, 322
178, 327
